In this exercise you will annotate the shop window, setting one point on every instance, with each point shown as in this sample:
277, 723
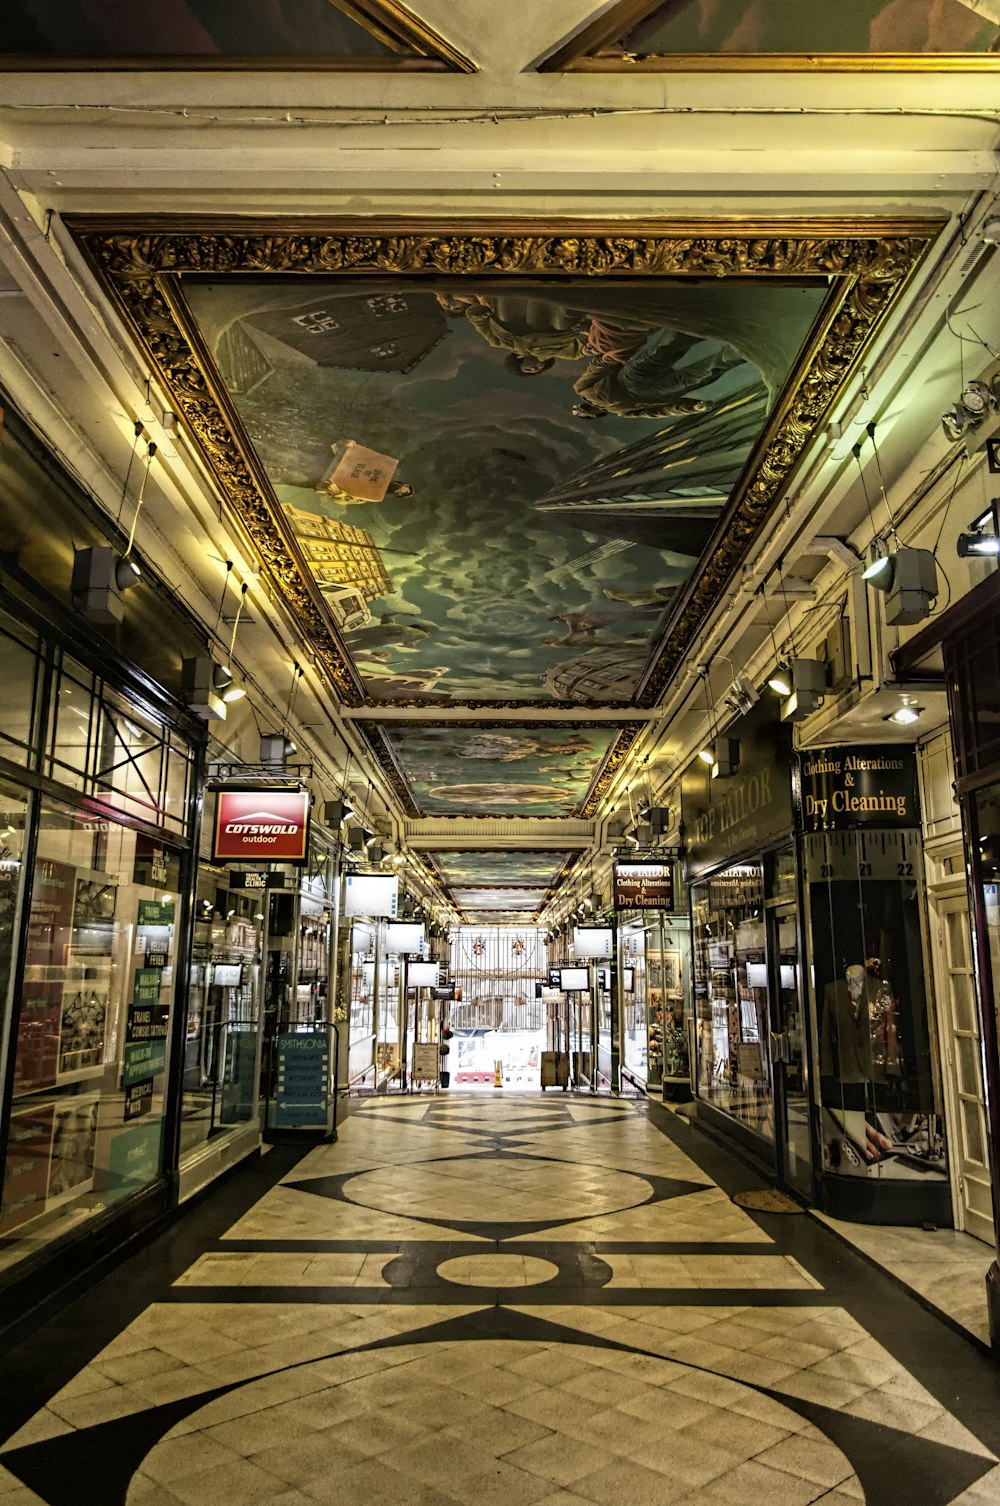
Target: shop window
878, 1101
731, 992
19, 651
90, 1028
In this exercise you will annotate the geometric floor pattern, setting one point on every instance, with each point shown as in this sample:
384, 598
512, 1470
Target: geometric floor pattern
471, 1301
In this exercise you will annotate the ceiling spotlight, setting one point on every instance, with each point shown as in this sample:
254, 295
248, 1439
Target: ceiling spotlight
879, 570
100, 577
781, 681
707, 754
204, 685
905, 716
225, 684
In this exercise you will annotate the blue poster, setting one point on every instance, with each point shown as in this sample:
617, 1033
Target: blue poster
303, 1083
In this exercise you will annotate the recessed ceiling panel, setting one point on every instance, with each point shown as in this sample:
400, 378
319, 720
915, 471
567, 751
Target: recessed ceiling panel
782, 33
220, 34
502, 868
499, 899
506, 770
502, 466
501, 494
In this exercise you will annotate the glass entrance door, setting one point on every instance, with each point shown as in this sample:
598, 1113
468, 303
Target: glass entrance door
788, 1052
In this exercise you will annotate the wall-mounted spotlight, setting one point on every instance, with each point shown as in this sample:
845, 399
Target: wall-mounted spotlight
807, 687
727, 757
977, 542
208, 687
98, 583
336, 812
880, 567
276, 748
978, 400
742, 695
914, 587
707, 754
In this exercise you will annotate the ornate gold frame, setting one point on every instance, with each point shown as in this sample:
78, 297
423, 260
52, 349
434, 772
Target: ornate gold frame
865, 264
382, 752
583, 53
422, 50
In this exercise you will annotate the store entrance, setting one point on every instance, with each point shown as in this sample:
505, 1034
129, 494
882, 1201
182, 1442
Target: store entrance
499, 1020
788, 1052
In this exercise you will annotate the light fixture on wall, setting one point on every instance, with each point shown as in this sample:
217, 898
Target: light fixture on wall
207, 687
742, 695
980, 541
100, 578
905, 716
970, 411
807, 687
914, 586
727, 757
276, 749
878, 572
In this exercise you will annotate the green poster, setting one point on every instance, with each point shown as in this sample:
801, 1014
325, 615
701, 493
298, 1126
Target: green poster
143, 1059
154, 912
134, 1158
146, 988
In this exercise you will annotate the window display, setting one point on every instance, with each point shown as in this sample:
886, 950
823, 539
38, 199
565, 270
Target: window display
879, 1109
730, 960
92, 1024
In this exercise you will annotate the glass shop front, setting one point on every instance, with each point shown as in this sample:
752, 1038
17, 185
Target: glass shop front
654, 968
96, 815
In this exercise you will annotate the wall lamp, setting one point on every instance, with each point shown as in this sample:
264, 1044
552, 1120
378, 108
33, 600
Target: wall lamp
978, 400
98, 583
802, 686
208, 687
976, 542
909, 579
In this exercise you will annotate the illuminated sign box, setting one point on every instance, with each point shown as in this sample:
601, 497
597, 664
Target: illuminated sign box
423, 974
400, 938
261, 826
591, 941
643, 886
373, 894
573, 978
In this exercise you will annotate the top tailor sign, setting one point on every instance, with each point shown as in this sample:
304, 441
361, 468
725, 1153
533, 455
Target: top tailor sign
261, 826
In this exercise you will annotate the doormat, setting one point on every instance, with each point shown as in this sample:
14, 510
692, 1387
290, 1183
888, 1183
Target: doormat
767, 1200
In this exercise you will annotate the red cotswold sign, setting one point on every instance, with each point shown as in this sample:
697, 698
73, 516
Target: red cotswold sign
261, 826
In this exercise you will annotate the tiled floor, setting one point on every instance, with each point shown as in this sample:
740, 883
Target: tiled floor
506, 1302
947, 1268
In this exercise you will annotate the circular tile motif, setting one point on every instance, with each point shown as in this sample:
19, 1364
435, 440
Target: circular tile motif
497, 1190
497, 1270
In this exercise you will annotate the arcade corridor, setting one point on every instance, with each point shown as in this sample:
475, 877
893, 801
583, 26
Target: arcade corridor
506, 1301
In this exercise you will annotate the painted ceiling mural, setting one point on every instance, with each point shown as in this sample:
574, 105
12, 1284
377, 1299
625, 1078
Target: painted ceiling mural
507, 770
365, 32
733, 29
526, 901
459, 869
506, 469
501, 494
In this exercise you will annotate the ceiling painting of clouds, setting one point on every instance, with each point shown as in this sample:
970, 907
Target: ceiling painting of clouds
460, 869
816, 33
501, 494
510, 466
529, 900
506, 770
369, 34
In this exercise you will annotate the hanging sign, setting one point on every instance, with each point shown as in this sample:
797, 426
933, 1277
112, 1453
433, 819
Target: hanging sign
261, 826
869, 786
642, 886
